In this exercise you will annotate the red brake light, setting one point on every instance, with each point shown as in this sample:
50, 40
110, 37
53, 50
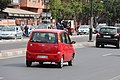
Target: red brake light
98, 35
116, 35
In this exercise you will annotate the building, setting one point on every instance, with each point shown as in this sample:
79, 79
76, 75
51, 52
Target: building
24, 12
32, 5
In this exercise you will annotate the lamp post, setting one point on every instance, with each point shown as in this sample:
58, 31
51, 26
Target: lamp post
47, 1
106, 10
105, 2
91, 21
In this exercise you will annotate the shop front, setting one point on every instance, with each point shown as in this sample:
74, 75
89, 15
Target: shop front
22, 17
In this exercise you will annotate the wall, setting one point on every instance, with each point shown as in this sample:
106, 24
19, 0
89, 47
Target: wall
7, 22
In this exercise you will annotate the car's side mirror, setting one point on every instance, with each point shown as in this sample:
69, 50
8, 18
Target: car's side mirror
73, 42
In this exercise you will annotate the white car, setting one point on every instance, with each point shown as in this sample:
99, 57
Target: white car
11, 32
83, 29
117, 25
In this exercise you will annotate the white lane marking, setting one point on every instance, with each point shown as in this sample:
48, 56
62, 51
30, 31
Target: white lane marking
1, 78
107, 54
116, 78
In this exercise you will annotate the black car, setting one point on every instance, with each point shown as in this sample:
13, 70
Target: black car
108, 36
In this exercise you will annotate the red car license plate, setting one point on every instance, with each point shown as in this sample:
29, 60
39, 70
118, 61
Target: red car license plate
41, 56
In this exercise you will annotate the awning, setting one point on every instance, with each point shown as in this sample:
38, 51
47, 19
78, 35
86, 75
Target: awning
21, 12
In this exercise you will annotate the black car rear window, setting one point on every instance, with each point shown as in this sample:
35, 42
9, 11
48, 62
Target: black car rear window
44, 37
108, 30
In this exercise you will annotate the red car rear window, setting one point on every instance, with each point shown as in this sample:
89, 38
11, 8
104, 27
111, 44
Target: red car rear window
44, 37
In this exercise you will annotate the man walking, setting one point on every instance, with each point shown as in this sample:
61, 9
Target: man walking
26, 30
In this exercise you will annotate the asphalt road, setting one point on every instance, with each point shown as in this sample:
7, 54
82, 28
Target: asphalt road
90, 63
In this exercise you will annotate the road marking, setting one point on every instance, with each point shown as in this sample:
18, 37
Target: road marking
1, 78
116, 78
107, 54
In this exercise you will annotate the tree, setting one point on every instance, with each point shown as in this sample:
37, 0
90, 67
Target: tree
80, 9
114, 11
55, 7
4, 3
68, 8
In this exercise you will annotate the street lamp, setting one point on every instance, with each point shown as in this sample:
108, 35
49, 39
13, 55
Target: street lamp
105, 2
106, 10
47, 1
91, 21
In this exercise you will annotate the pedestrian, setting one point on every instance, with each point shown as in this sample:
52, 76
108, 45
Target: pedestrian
26, 30
58, 26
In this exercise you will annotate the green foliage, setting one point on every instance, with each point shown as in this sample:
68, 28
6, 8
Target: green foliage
55, 6
67, 8
3, 4
78, 9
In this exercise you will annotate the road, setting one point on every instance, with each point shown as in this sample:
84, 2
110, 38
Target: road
90, 63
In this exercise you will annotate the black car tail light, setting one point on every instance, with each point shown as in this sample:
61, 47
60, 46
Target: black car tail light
98, 35
116, 35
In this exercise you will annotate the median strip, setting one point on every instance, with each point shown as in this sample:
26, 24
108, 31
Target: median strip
12, 53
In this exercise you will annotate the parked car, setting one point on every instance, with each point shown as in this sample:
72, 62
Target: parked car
84, 29
0, 30
117, 25
11, 32
108, 36
1, 27
50, 46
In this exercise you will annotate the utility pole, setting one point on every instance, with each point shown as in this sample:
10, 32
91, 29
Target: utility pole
106, 9
91, 21
47, 1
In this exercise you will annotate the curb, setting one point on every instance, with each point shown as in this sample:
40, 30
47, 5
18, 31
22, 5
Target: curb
14, 40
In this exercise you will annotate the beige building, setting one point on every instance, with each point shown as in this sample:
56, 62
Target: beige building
24, 12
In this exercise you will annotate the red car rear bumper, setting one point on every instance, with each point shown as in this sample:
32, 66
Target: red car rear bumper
40, 57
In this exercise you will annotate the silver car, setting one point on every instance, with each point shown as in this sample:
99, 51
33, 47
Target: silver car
11, 32
83, 29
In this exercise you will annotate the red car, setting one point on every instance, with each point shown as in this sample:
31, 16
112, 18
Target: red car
50, 45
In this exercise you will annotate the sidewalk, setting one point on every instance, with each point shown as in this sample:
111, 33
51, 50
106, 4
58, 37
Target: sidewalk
14, 40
